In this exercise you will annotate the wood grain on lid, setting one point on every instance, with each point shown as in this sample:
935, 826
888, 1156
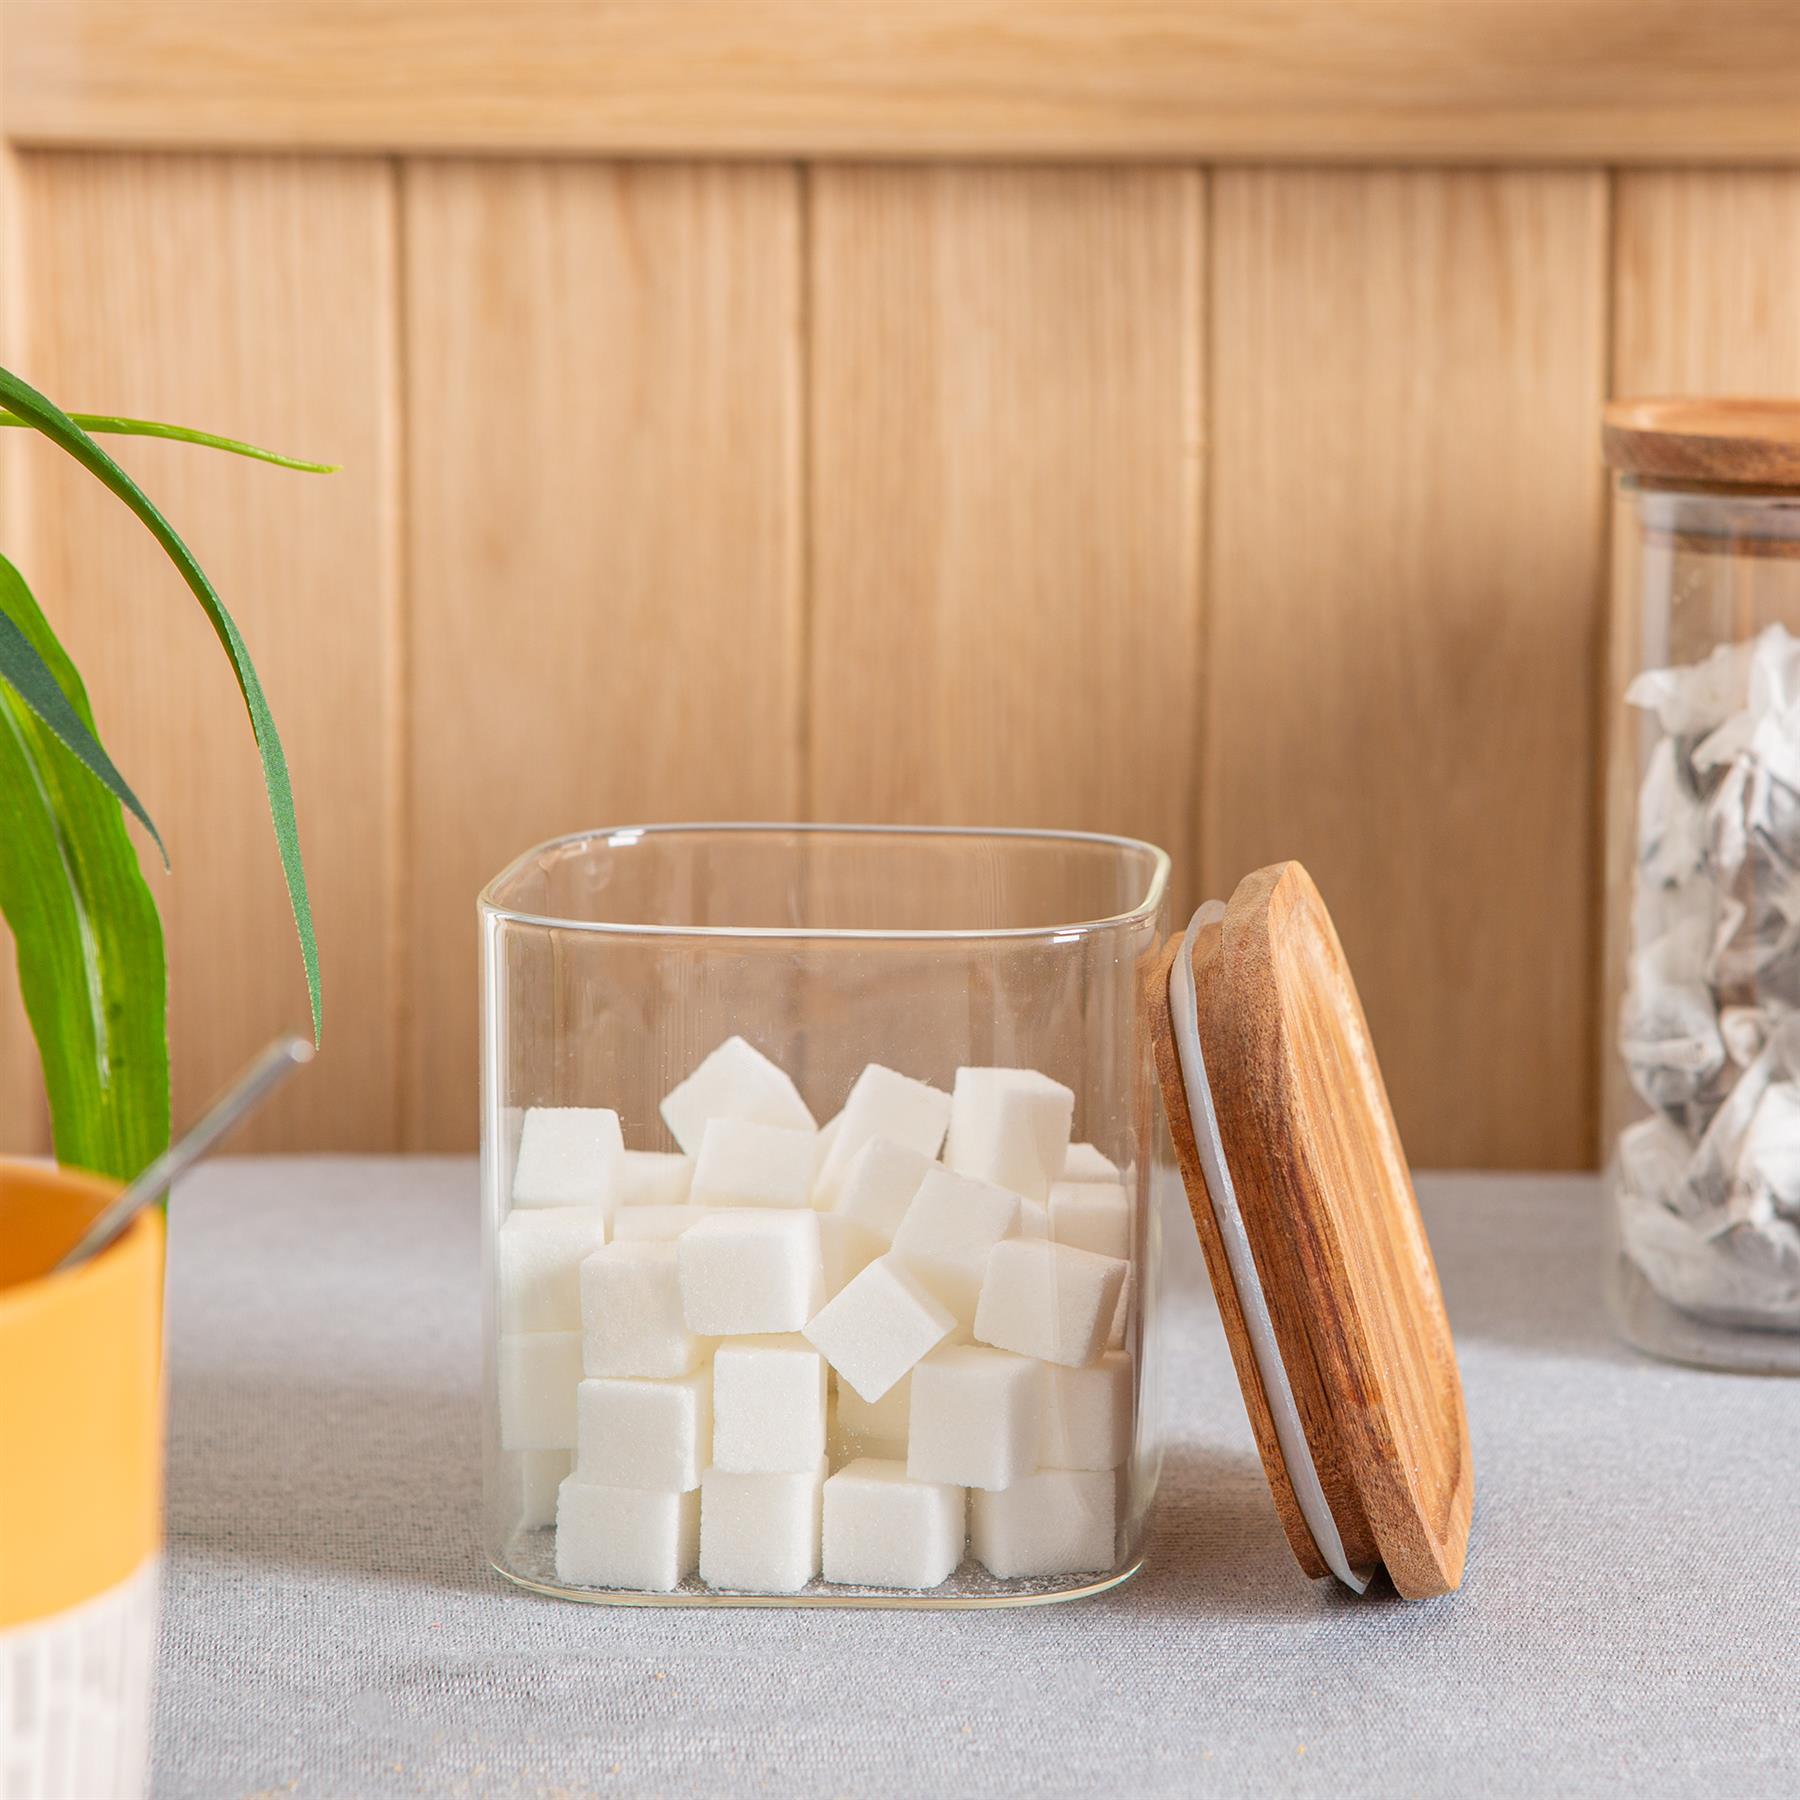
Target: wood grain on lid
1328, 1206
1746, 442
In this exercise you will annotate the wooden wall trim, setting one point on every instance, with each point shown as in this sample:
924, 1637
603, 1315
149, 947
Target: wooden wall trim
1632, 81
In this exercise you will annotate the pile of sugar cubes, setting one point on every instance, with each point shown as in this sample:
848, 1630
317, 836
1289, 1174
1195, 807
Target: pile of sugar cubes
782, 1354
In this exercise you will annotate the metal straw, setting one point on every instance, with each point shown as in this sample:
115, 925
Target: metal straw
280, 1059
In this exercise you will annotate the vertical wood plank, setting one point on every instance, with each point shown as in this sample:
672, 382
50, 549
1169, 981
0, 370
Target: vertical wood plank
1404, 588
1707, 282
24, 1124
1005, 394
603, 517
252, 296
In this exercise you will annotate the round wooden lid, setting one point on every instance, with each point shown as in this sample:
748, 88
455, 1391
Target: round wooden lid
1348, 1291
1745, 443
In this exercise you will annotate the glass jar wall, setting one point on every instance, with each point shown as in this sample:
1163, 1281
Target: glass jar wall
819, 1262
1702, 1082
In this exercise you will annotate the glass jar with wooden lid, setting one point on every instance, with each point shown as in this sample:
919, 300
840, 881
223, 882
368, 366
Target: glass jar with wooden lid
825, 1176
1702, 1078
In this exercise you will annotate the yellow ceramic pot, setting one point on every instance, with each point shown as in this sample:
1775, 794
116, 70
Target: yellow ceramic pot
80, 1489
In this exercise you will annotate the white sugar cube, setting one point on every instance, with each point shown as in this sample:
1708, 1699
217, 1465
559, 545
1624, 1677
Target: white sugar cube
735, 1082
528, 1483
883, 1529
1121, 1319
879, 1326
538, 1255
880, 1183
1011, 1127
1091, 1215
828, 1136
768, 1406
631, 1316
655, 1224
950, 1228
645, 1434
568, 1156
1056, 1522
1087, 1415
760, 1533
1034, 1219
617, 1537
655, 1178
1045, 1299
741, 1164
976, 1417
538, 1377
745, 1273
884, 1103
1085, 1163
846, 1249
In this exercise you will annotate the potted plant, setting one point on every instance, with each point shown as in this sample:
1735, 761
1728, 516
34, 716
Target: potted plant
80, 1384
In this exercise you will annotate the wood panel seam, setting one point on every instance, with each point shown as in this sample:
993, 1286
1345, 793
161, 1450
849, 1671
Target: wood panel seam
1599, 1026
399, 868
24, 1117
801, 513
1192, 883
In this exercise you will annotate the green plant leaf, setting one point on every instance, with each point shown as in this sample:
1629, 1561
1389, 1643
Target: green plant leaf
90, 947
30, 677
23, 400
114, 425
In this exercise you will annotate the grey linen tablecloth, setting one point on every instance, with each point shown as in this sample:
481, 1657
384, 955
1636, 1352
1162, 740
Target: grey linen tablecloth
1630, 1623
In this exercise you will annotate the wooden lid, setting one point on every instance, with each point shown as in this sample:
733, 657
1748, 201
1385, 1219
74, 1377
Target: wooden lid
1746, 443
1328, 1210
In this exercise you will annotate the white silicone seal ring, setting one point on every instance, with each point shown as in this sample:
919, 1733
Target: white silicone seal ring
1296, 1453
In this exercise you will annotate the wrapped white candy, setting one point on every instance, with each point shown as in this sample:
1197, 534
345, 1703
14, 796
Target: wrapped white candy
1713, 1169
1751, 944
1710, 1276
1746, 1030
1692, 905
1677, 957
1718, 749
1669, 1037
1653, 1160
1672, 821
1775, 746
1701, 697
1774, 673
1768, 1161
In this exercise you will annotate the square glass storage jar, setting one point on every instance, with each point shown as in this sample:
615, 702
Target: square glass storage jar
819, 1264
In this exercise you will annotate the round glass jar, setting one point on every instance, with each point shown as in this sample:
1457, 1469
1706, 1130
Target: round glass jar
1702, 1086
819, 1265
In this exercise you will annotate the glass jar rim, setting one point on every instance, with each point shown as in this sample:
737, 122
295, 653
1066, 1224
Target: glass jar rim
623, 837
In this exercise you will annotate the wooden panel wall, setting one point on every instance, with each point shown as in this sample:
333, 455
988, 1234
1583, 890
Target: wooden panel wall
1707, 298
258, 293
1005, 497
603, 528
1403, 586
1254, 509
